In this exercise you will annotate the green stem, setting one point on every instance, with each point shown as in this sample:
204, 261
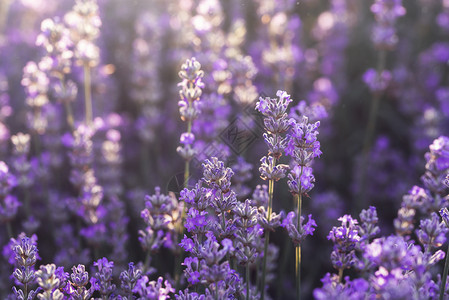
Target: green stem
267, 235
298, 248
36, 141
216, 290
146, 264
25, 291
372, 120
67, 106
340, 275
264, 265
69, 113
444, 277
247, 281
187, 164
4, 8
285, 257
298, 271
88, 94
180, 257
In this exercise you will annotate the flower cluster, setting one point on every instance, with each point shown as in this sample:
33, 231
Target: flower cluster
345, 239
161, 215
9, 203
189, 105
88, 162
84, 24
276, 121
386, 12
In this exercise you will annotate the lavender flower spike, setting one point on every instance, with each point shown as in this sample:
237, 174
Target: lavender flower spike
444, 213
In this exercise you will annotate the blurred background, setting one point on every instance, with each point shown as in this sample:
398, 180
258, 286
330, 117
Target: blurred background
326, 54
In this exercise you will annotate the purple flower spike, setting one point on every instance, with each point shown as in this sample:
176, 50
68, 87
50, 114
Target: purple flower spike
48, 280
432, 232
276, 119
345, 239
104, 276
159, 289
298, 234
129, 278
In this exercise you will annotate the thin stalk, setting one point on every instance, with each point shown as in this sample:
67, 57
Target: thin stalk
67, 106
69, 113
298, 271
247, 281
264, 265
216, 290
444, 277
372, 120
36, 138
146, 263
87, 94
180, 257
187, 164
4, 8
267, 235
340, 275
25, 290
285, 257
298, 248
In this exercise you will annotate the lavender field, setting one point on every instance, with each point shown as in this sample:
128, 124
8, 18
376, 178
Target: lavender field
233, 149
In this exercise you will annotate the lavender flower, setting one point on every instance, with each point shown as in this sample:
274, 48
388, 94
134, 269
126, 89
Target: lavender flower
303, 144
36, 84
345, 239
84, 24
216, 175
129, 278
368, 220
298, 234
20, 163
189, 105
260, 196
26, 255
276, 121
147, 289
104, 277
82, 175
334, 289
390, 252
50, 282
377, 83
437, 164
8, 203
247, 236
77, 288
432, 232
108, 169
161, 214
300, 180
54, 37
269, 170
386, 12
